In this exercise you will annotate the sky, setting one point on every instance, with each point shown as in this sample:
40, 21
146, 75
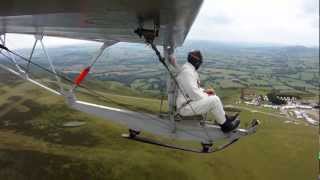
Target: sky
292, 22
284, 22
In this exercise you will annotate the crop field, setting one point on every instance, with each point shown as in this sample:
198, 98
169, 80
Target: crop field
288, 69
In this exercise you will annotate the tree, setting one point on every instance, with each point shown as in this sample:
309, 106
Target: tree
272, 96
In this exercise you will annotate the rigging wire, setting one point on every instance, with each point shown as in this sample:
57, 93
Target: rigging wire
98, 95
185, 95
162, 60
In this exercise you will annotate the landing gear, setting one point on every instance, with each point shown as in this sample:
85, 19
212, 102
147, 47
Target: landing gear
255, 122
133, 133
206, 147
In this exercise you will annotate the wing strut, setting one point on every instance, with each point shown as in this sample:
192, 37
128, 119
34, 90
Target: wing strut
31, 55
141, 121
23, 73
39, 38
3, 41
85, 71
149, 39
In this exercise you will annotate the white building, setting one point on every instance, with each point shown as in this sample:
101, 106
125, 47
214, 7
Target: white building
298, 114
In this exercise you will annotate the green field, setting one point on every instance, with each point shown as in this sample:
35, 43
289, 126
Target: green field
293, 69
35, 145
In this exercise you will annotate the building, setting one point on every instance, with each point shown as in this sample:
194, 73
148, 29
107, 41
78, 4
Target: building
247, 94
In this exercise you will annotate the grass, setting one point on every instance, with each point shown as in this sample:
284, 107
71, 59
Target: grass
35, 145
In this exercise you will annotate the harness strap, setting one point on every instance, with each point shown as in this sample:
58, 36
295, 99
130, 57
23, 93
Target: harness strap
184, 105
162, 60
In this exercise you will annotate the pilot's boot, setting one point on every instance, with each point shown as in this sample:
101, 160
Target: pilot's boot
231, 123
232, 118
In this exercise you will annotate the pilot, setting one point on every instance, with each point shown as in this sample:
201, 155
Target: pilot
200, 101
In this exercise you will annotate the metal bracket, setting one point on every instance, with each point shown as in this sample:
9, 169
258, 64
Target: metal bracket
148, 34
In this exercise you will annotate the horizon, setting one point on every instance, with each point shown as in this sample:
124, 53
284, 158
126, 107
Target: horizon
251, 22
55, 42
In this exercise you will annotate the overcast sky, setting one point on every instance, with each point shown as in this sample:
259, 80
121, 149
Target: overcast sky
288, 22
294, 22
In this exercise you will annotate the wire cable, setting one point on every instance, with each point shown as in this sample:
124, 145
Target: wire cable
96, 94
59, 74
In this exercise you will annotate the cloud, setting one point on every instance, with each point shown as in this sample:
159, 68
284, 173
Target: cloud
220, 19
311, 7
293, 22
315, 23
310, 11
285, 22
19, 41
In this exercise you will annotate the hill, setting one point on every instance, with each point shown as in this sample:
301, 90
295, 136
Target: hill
292, 69
35, 145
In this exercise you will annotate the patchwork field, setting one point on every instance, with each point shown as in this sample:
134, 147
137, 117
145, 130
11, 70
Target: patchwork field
34, 144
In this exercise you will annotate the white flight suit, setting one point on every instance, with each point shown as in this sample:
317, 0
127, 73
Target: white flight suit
201, 102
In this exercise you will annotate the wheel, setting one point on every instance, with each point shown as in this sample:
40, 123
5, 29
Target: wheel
255, 122
133, 133
206, 147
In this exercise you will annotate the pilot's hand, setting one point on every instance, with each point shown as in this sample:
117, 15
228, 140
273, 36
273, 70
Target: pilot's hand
172, 60
210, 91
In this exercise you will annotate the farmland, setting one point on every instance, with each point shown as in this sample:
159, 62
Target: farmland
35, 144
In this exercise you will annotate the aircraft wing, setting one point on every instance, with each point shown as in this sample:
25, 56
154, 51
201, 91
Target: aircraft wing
100, 20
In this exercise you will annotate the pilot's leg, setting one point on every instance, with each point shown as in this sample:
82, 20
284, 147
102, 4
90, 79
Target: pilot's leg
210, 103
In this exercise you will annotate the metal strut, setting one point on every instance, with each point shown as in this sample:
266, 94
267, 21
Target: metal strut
3, 41
39, 38
2, 47
22, 73
125, 115
162, 60
31, 54
149, 36
83, 74
150, 40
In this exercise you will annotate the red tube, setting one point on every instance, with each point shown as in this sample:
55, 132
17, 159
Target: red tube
81, 76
